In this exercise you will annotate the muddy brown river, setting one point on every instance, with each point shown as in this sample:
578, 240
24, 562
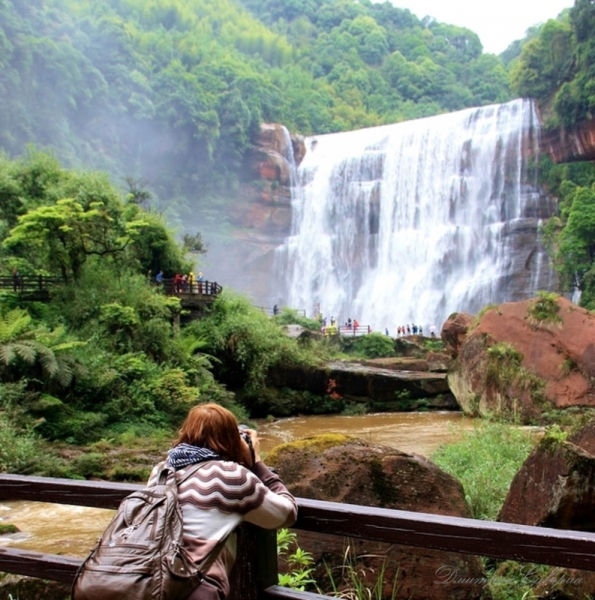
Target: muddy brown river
72, 530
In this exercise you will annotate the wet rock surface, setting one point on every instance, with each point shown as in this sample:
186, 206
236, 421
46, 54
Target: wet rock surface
568, 144
386, 389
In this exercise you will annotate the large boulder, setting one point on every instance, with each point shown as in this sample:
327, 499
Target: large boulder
555, 488
559, 479
341, 469
524, 357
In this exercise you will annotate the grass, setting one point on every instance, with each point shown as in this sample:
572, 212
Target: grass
485, 460
359, 582
545, 309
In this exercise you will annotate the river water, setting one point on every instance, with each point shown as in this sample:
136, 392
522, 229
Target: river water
72, 530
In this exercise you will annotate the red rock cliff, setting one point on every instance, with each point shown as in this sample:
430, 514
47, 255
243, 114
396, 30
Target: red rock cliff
261, 216
570, 144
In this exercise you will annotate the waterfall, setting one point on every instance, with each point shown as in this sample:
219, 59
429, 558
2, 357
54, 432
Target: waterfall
407, 223
289, 156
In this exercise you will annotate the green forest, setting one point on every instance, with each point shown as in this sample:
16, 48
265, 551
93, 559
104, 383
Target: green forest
171, 92
124, 119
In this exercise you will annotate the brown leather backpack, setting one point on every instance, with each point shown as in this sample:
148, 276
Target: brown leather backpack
140, 555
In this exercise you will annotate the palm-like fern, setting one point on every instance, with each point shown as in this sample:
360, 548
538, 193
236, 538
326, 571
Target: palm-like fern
21, 343
198, 363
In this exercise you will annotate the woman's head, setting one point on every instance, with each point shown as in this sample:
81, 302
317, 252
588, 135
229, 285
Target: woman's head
212, 426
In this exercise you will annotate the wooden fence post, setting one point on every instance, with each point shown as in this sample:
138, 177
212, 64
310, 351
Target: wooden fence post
256, 562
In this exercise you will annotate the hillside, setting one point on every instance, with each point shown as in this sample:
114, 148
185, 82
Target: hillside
167, 95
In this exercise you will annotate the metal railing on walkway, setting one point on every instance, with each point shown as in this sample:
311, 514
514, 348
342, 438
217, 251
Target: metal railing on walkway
172, 287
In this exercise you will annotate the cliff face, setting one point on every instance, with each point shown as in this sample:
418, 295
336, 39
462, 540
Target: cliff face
261, 217
570, 144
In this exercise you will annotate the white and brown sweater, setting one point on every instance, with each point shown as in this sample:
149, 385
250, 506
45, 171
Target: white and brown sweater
217, 498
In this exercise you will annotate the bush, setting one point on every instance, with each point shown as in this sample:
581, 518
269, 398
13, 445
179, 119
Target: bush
245, 341
290, 317
545, 308
373, 345
19, 449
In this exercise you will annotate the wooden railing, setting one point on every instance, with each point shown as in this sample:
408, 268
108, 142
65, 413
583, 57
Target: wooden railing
255, 575
28, 285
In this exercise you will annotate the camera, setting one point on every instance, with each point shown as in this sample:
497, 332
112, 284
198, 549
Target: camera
246, 437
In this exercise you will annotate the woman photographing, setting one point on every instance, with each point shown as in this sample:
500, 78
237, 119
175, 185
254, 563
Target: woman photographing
231, 485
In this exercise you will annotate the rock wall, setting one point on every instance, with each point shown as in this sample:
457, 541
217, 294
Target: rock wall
570, 144
261, 217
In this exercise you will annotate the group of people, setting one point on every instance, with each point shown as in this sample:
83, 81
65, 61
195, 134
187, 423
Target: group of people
331, 327
410, 329
184, 283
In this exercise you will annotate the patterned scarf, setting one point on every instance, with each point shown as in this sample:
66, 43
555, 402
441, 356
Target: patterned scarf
186, 454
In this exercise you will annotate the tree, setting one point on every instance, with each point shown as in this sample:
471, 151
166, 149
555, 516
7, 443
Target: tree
545, 62
194, 243
577, 239
61, 237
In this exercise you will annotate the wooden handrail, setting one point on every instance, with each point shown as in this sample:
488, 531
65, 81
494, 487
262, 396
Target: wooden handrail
454, 534
27, 283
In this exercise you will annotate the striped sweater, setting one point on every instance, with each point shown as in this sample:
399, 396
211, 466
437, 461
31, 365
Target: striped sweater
217, 498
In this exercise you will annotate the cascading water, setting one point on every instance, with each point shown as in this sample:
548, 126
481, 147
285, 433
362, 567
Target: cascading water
410, 222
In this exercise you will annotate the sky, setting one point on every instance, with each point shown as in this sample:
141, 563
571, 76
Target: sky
497, 22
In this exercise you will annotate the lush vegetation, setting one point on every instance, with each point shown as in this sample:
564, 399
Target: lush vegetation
167, 96
485, 460
104, 359
556, 66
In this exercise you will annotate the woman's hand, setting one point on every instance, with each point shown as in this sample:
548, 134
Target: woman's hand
250, 455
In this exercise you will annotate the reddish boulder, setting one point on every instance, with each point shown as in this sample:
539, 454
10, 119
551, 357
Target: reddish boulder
510, 362
555, 488
341, 469
558, 478
454, 331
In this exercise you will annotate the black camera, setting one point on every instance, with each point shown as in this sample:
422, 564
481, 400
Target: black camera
246, 437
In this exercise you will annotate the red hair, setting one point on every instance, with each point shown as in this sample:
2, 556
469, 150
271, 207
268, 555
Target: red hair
212, 426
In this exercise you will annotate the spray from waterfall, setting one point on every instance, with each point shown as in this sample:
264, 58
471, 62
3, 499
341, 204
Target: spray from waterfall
407, 223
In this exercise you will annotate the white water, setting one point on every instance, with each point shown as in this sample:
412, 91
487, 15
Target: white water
407, 223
